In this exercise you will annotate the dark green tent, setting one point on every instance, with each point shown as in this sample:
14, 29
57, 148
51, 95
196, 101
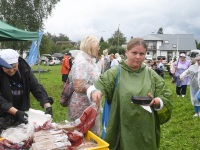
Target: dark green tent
10, 33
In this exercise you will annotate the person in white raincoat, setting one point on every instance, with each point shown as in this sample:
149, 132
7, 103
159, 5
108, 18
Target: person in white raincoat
194, 73
83, 74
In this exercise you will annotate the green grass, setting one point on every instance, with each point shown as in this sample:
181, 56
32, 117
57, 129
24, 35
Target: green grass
180, 133
53, 85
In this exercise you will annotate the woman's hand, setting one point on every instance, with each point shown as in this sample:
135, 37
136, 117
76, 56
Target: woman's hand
182, 79
175, 67
96, 96
155, 102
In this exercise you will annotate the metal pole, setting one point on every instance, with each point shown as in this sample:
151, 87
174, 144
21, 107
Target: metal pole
118, 40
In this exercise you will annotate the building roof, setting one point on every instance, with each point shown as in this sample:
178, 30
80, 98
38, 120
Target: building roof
151, 37
182, 41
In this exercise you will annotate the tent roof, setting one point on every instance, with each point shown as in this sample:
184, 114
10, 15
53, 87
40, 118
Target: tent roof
10, 33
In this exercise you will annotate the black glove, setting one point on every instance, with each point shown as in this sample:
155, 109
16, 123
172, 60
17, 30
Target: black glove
22, 116
49, 111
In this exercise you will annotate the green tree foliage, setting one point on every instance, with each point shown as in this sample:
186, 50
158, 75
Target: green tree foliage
46, 44
197, 44
27, 15
117, 39
160, 30
30, 14
56, 44
113, 50
101, 40
103, 45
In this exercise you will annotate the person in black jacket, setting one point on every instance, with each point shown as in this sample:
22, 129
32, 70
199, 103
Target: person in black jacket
15, 87
154, 67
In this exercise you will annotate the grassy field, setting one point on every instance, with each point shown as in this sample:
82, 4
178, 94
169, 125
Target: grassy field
180, 133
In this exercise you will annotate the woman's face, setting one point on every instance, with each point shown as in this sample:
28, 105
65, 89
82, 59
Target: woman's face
135, 56
182, 58
11, 71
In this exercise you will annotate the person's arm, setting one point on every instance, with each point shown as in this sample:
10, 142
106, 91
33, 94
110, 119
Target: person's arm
163, 93
40, 94
184, 74
94, 95
6, 106
175, 65
12, 111
66, 63
106, 83
20, 115
81, 76
80, 85
156, 102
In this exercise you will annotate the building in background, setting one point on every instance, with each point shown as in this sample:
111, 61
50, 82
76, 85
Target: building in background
169, 45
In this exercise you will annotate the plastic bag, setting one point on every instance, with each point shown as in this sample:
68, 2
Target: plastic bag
23, 132
174, 78
66, 94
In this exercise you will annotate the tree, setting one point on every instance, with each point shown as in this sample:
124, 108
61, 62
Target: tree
197, 44
29, 14
50, 45
47, 44
62, 37
160, 31
113, 50
101, 40
117, 38
103, 46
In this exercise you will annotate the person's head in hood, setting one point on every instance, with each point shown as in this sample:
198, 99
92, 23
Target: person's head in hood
11, 57
182, 57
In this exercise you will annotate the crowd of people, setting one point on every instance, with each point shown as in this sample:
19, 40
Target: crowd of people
96, 77
157, 66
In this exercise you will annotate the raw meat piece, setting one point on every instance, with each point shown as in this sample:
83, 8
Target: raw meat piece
87, 119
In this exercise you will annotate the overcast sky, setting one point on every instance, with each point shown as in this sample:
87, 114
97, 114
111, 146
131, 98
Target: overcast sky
137, 18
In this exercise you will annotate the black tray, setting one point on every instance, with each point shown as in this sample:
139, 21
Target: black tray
142, 100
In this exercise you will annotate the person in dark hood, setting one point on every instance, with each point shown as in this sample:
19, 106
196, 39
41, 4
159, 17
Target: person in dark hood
16, 83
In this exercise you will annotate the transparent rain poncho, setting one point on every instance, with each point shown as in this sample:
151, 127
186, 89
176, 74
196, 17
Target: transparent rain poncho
194, 73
